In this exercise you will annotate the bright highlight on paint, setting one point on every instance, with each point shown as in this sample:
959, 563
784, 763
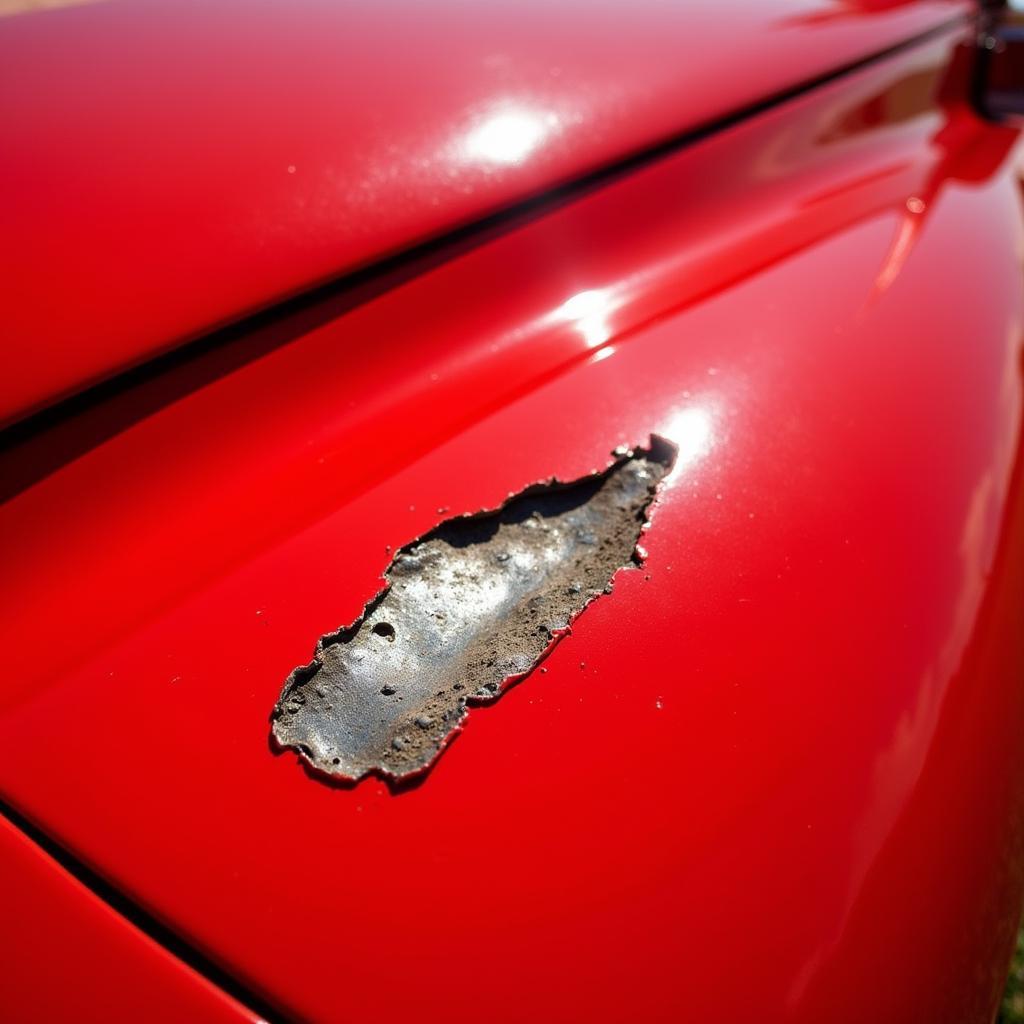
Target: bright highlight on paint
508, 137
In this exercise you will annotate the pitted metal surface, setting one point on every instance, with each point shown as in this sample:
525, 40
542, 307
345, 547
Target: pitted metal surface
468, 608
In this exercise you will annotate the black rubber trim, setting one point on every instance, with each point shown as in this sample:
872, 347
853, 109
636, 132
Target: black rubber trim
145, 921
429, 253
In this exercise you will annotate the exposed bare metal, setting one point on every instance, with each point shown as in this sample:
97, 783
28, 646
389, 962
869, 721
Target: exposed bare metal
468, 608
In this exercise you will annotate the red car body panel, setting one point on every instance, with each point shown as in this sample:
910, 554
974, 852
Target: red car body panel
74, 958
171, 165
772, 777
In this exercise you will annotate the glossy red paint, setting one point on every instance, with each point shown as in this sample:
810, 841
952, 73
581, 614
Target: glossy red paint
68, 957
777, 780
171, 164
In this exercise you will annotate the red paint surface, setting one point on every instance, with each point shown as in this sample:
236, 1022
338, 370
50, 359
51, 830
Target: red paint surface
779, 780
68, 957
172, 164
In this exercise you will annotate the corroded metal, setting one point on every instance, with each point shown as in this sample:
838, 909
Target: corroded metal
468, 608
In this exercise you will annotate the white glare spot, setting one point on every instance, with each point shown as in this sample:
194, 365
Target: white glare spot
508, 137
588, 311
690, 432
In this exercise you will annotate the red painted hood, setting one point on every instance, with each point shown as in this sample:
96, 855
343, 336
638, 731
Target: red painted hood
171, 165
774, 776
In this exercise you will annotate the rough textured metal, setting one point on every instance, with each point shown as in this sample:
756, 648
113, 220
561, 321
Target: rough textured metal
468, 608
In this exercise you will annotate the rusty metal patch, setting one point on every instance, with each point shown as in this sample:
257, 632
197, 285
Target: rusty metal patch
468, 609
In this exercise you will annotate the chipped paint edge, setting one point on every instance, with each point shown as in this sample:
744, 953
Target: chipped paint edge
638, 558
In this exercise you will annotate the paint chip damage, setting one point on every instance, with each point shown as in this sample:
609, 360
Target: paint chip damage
468, 608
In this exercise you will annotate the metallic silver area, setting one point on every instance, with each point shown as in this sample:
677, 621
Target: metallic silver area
468, 608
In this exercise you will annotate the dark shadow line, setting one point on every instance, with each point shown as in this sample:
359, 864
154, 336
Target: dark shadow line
355, 287
143, 920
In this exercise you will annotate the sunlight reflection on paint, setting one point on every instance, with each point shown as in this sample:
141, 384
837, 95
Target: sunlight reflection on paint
690, 431
509, 136
589, 312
